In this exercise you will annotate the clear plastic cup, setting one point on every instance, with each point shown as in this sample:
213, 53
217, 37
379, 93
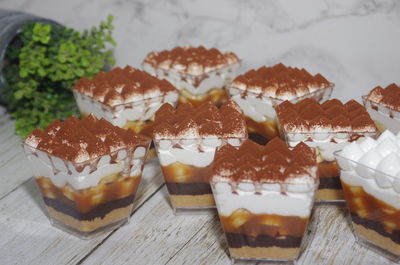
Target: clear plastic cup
186, 166
384, 117
265, 221
260, 113
373, 200
90, 197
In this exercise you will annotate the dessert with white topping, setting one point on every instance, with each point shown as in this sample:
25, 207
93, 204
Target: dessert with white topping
200, 74
185, 140
383, 104
88, 172
370, 176
128, 98
264, 196
328, 127
258, 91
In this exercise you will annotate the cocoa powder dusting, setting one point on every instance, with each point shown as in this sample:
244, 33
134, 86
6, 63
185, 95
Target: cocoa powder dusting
120, 86
274, 162
280, 81
82, 140
206, 120
310, 115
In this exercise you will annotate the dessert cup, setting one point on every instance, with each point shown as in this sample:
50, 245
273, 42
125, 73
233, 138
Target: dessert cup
264, 198
371, 186
86, 188
258, 91
200, 74
185, 140
128, 98
383, 104
327, 127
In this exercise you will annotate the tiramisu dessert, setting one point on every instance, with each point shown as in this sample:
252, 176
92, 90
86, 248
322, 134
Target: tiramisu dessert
264, 196
128, 98
383, 104
370, 175
200, 74
87, 171
257, 91
327, 126
185, 140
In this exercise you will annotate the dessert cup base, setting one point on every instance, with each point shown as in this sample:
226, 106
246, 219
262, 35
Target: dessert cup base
374, 241
89, 229
195, 211
192, 201
266, 254
329, 196
92, 234
280, 255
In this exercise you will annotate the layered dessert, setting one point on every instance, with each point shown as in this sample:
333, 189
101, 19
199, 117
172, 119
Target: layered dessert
128, 98
383, 104
88, 172
200, 74
186, 139
264, 197
370, 175
328, 127
258, 91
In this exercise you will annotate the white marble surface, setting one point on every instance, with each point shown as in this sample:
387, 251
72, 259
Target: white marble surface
354, 43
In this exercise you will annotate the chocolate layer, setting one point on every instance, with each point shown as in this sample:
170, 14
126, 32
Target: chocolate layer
376, 226
330, 183
258, 138
193, 188
97, 212
236, 240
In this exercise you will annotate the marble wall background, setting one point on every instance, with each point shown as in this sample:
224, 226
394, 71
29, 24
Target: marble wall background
353, 43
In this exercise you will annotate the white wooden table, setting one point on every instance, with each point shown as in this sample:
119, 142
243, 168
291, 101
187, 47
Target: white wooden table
153, 236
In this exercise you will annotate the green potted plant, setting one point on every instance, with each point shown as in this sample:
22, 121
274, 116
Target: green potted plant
41, 65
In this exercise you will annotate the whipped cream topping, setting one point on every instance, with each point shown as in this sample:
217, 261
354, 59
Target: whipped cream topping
79, 141
383, 104
141, 110
88, 174
388, 96
123, 86
260, 107
271, 179
268, 199
327, 126
204, 121
374, 165
197, 85
281, 82
196, 152
191, 60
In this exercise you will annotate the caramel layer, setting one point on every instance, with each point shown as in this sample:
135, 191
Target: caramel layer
181, 173
265, 131
328, 169
244, 222
329, 195
110, 188
372, 213
216, 95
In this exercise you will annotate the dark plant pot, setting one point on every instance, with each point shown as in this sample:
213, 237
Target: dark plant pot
11, 23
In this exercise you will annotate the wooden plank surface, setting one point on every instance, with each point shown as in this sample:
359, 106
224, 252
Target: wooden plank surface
14, 168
